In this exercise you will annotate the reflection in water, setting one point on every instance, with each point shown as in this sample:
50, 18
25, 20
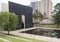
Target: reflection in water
44, 32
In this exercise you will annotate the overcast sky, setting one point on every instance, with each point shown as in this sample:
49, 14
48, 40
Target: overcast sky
25, 2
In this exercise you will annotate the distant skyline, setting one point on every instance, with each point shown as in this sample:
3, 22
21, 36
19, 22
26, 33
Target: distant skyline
25, 2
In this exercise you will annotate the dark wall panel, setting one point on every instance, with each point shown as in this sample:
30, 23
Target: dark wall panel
21, 10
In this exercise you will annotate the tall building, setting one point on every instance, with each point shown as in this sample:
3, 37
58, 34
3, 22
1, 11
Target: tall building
5, 7
36, 5
44, 6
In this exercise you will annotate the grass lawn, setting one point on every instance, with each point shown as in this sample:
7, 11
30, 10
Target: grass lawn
1, 41
18, 39
49, 26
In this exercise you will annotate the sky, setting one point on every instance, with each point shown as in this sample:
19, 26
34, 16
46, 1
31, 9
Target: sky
25, 2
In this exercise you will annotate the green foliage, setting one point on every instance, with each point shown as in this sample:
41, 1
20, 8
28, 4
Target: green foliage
13, 21
3, 19
8, 20
56, 15
38, 15
35, 16
57, 7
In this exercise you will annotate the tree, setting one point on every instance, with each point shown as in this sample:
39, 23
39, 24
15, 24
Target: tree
40, 17
13, 21
37, 16
9, 21
3, 19
56, 15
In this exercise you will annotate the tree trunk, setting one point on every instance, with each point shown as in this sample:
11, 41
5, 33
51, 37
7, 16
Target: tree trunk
36, 24
8, 31
58, 25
